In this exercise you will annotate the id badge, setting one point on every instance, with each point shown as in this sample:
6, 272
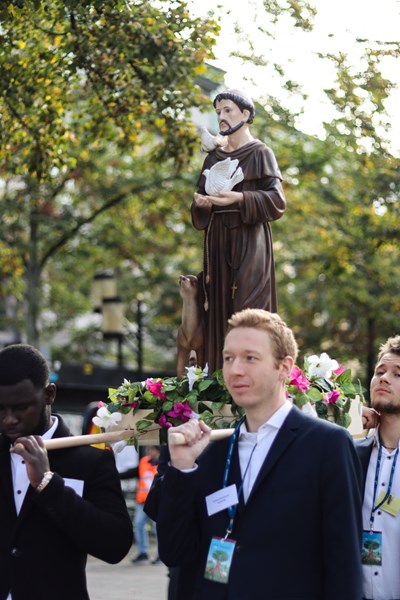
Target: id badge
219, 559
391, 506
371, 550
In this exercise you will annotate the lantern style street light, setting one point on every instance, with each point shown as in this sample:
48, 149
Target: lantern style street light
105, 300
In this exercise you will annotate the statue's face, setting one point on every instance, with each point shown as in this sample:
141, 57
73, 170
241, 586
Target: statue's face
230, 117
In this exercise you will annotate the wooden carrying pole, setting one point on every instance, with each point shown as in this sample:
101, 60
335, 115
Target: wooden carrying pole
116, 436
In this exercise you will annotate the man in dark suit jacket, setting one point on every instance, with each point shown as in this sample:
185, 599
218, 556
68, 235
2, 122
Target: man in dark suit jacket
56, 507
275, 511
378, 454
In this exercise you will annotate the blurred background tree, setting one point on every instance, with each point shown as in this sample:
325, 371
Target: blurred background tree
95, 134
99, 160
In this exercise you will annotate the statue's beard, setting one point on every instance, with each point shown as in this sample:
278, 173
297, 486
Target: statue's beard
230, 130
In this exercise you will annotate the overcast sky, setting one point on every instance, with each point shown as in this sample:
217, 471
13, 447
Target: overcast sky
337, 25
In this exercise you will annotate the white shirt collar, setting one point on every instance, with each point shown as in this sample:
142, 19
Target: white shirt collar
377, 441
47, 435
275, 421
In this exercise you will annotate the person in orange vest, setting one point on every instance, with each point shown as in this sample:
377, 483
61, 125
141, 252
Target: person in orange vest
147, 469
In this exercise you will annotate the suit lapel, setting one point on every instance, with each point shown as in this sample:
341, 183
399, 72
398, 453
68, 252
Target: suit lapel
235, 475
364, 449
285, 437
6, 485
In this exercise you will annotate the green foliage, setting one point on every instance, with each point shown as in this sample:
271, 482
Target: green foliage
337, 245
77, 76
301, 11
86, 116
94, 106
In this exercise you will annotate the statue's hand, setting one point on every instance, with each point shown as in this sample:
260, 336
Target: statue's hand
202, 201
226, 198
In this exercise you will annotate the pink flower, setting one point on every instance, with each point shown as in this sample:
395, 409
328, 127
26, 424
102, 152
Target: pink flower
155, 388
100, 404
131, 404
331, 397
339, 370
162, 421
298, 379
181, 410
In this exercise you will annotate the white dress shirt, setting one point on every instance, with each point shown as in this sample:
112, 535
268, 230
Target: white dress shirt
382, 582
254, 447
20, 477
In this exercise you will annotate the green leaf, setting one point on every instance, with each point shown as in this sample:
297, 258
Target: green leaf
143, 424
344, 377
167, 406
314, 395
343, 420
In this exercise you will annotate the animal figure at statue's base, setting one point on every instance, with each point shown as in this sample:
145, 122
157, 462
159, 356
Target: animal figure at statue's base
190, 337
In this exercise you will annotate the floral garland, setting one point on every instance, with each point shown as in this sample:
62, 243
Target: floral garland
322, 388
171, 401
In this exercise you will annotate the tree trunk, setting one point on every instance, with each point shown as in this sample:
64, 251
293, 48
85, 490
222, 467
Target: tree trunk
32, 294
371, 358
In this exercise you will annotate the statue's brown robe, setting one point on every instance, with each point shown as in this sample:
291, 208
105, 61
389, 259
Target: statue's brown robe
238, 265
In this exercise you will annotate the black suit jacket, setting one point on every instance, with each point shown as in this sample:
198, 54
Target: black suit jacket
43, 550
364, 448
299, 534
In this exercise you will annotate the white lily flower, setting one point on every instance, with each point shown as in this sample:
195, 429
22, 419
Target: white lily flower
205, 371
192, 375
321, 366
105, 419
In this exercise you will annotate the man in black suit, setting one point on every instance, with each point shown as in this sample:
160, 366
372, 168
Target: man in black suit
275, 511
379, 458
56, 507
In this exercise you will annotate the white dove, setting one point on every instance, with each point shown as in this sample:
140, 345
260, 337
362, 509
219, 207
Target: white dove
209, 142
223, 176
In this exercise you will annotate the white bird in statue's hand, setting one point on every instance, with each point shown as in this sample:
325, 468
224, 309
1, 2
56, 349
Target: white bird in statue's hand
223, 176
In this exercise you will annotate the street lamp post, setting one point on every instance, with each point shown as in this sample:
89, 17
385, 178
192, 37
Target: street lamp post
104, 299
139, 335
113, 323
104, 285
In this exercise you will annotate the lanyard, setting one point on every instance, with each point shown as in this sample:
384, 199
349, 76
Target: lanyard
232, 509
389, 488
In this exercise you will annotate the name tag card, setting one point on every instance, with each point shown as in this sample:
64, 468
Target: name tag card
222, 499
391, 505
